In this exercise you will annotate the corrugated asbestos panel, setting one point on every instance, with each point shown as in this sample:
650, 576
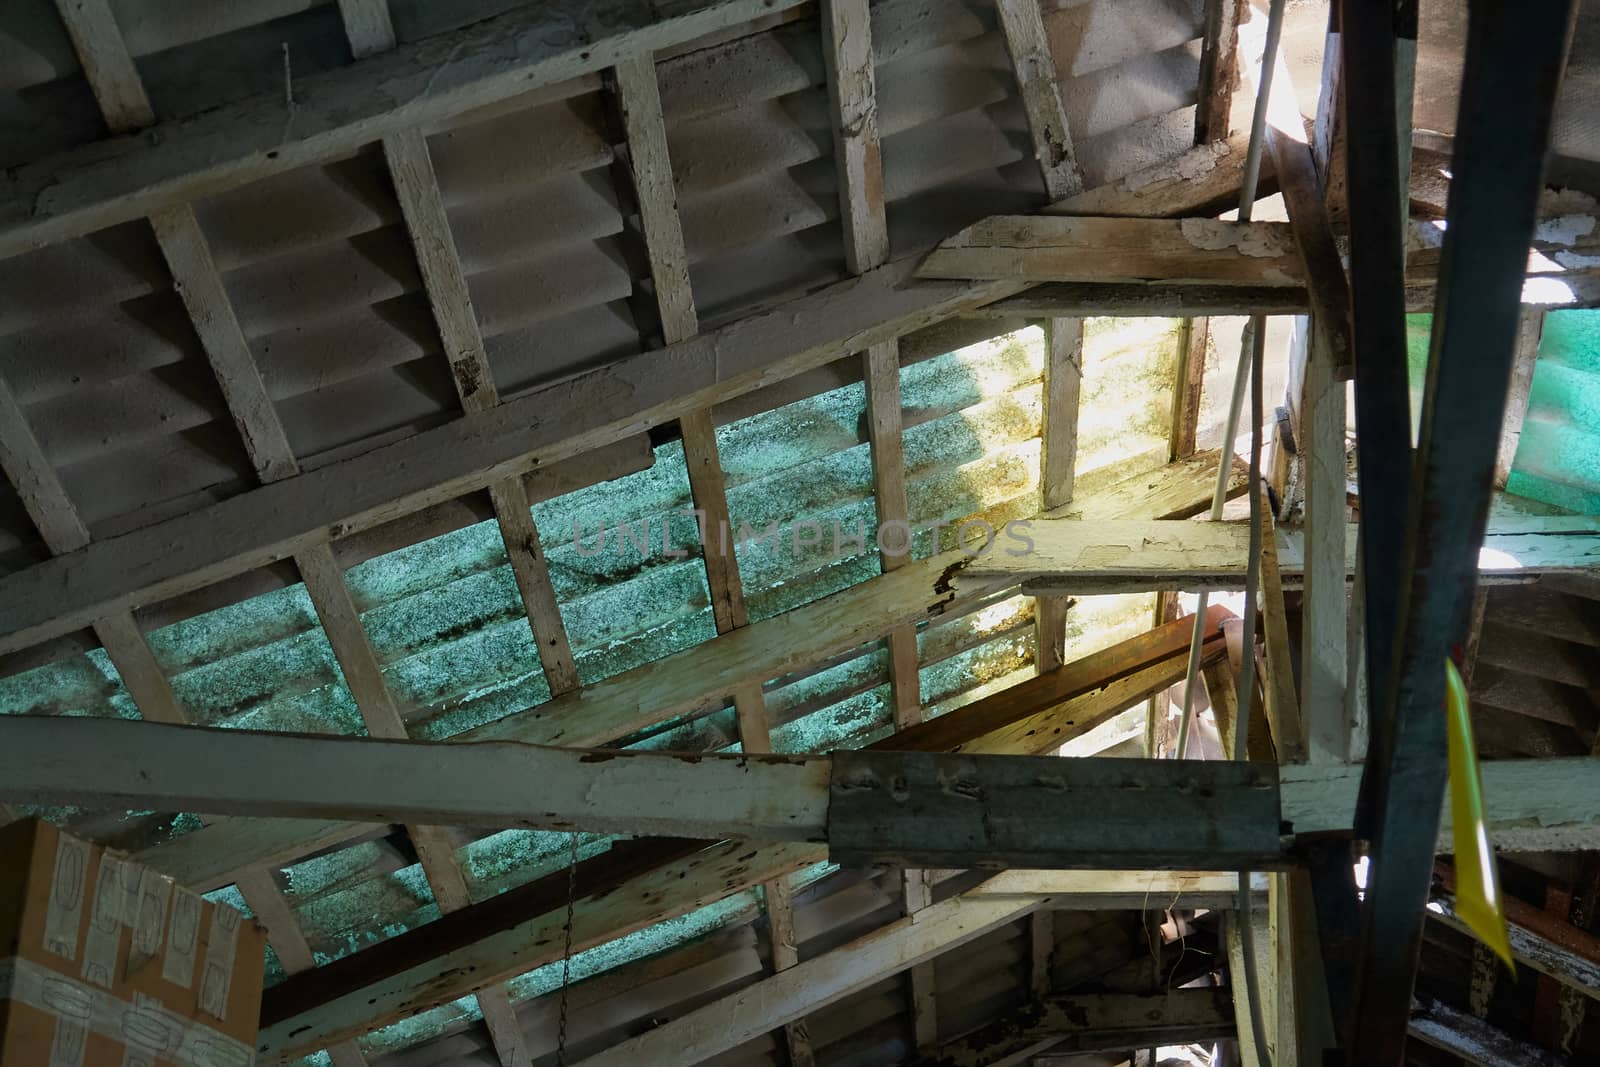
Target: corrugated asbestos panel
1558, 457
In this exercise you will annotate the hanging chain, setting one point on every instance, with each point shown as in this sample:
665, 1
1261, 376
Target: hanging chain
566, 952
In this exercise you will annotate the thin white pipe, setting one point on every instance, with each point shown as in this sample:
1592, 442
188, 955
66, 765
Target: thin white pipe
1247, 199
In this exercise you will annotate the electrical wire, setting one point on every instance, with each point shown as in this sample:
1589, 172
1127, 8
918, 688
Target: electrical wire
1247, 199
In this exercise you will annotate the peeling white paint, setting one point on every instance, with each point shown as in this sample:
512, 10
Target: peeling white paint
1192, 166
1567, 202
1577, 261
1249, 239
1564, 229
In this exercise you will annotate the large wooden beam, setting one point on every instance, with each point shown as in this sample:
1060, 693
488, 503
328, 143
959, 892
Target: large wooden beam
1048, 248
419, 84
1547, 805
245, 772
1532, 805
1062, 556
1094, 1022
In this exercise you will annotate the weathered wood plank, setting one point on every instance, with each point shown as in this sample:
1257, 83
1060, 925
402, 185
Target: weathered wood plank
368, 26
1324, 271
1219, 71
1195, 337
1156, 299
1203, 180
422, 206
34, 478
124, 641
1043, 248
853, 100
522, 944
978, 726
1035, 67
651, 167
1063, 386
526, 554
1550, 805
304, 776
1472, 1040
1283, 706
1068, 557
107, 65
418, 84
195, 277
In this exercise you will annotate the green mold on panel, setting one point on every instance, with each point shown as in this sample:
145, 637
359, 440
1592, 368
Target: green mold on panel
1558, 455
79, 685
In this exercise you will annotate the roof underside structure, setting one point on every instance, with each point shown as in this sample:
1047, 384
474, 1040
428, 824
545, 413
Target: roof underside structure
636, 375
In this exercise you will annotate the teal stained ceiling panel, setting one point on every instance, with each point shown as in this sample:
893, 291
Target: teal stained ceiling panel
1558, 456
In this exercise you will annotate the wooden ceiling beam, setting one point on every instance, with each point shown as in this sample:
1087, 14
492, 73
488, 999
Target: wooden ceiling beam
844, 799
650, 164
853, 102
417, 84
1049, 248
1219, 70
858, 156
1037, 78
1071, 557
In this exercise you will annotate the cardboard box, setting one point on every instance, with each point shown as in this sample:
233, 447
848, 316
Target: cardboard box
105, 963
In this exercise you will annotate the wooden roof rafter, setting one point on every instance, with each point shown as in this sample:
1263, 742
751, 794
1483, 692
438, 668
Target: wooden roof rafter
650, 164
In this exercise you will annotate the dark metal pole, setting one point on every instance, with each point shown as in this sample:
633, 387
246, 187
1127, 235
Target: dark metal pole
1378, 328
1513, 67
